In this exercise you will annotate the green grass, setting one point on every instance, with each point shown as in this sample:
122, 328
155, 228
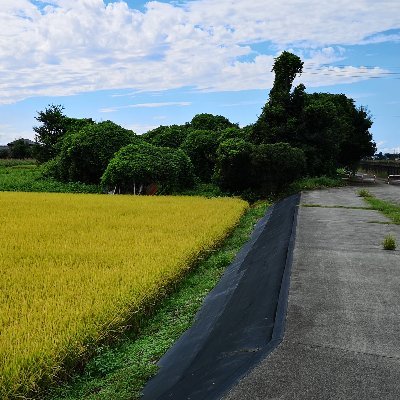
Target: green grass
11, 162
364, 193
321, 182
26, 176
390, 210
120, 370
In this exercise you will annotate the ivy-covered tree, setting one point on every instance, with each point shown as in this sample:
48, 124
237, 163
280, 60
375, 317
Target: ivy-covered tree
329, 129
84, 155
278, 112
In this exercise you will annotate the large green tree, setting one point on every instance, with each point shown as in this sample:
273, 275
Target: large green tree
201, 147
84, 155
136, 166
329, 128
54, 125
210, 122
276, 120
234, 170
20, 148
167, 136
49, 132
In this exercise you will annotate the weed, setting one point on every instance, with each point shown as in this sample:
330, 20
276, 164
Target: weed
390, 210
389, 243
364, 193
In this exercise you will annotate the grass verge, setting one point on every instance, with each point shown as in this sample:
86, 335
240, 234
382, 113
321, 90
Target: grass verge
320, 182
390, 210
120, 371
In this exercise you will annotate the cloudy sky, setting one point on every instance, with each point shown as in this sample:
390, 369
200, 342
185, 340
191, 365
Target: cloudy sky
145, 64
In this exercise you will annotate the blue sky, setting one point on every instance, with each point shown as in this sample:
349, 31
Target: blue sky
145, 64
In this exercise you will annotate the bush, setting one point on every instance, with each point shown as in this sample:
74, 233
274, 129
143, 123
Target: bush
4, 153
138, 165
364, 193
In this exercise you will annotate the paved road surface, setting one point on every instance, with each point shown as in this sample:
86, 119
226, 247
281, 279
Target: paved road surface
342, 336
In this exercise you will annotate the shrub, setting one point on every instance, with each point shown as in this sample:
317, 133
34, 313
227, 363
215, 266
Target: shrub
364, 193
389, 243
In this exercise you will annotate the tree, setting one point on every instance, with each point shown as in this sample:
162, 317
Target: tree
210, 122
275, 166
271, 126
201, 147
167, 136
329, 129
20, 148
234, 169
51, 130
4, 153
54, 126
357, 142
84, 155
136, 166
334, 133
233, 133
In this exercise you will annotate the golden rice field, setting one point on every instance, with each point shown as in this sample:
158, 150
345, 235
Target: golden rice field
75, 267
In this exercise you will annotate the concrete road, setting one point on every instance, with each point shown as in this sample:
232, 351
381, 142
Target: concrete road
386, 192
342, 337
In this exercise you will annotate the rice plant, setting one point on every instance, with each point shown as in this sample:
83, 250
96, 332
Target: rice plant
77, 268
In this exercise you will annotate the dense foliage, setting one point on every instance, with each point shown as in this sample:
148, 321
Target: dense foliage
298, 134
19, 149
54, 125
84, 155
137, 166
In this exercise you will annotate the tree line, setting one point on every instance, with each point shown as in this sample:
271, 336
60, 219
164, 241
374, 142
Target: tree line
297, 134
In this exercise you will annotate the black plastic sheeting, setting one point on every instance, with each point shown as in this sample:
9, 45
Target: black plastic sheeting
242, 319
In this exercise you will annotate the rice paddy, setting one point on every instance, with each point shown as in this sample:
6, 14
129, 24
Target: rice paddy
76, 268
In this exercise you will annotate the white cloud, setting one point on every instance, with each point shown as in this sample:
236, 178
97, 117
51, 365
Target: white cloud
65, 47
8, 133
147, 105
